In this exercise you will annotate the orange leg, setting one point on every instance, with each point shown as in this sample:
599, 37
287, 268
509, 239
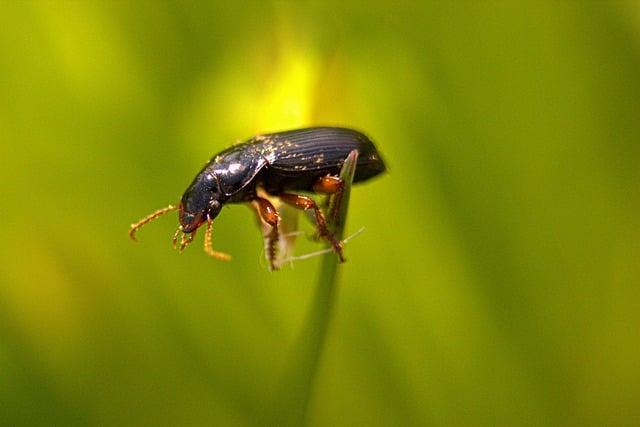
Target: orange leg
208, 246
267, 213
331, 185
305, 203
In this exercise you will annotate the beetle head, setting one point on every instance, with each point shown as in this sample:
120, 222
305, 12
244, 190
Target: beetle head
199, 203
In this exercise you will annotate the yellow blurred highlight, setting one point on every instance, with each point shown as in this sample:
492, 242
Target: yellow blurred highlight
287, 100
270, 89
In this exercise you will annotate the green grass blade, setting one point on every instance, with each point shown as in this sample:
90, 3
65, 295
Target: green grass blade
300, 374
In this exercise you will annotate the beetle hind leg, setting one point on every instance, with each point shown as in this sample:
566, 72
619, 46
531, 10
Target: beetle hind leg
305, 203
333, 187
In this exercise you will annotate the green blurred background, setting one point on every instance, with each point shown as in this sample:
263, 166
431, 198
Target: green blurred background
497, 281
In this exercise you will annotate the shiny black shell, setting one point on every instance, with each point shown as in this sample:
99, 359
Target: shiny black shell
289, 161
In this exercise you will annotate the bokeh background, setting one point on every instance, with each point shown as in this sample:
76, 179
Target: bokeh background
497, 281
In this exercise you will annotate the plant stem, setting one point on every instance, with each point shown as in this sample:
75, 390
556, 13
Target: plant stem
300, 375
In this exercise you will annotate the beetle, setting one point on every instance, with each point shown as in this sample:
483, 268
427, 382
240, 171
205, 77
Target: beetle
280, 164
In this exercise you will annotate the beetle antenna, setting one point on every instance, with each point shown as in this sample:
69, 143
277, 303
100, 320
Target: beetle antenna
147, 219
208, 246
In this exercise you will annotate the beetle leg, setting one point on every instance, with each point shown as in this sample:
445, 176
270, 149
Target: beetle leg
267, 213
208, 246
305, 203
331, 185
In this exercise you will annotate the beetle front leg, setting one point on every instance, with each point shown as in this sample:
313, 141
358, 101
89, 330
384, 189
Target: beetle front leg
305, 203
208, 246
267, 213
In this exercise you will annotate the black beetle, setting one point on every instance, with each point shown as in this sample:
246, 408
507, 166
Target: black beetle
307, 160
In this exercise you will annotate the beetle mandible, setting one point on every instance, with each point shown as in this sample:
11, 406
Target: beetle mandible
282, 164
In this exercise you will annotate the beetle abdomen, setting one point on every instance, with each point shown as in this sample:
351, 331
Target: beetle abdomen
297, 158
324, 149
